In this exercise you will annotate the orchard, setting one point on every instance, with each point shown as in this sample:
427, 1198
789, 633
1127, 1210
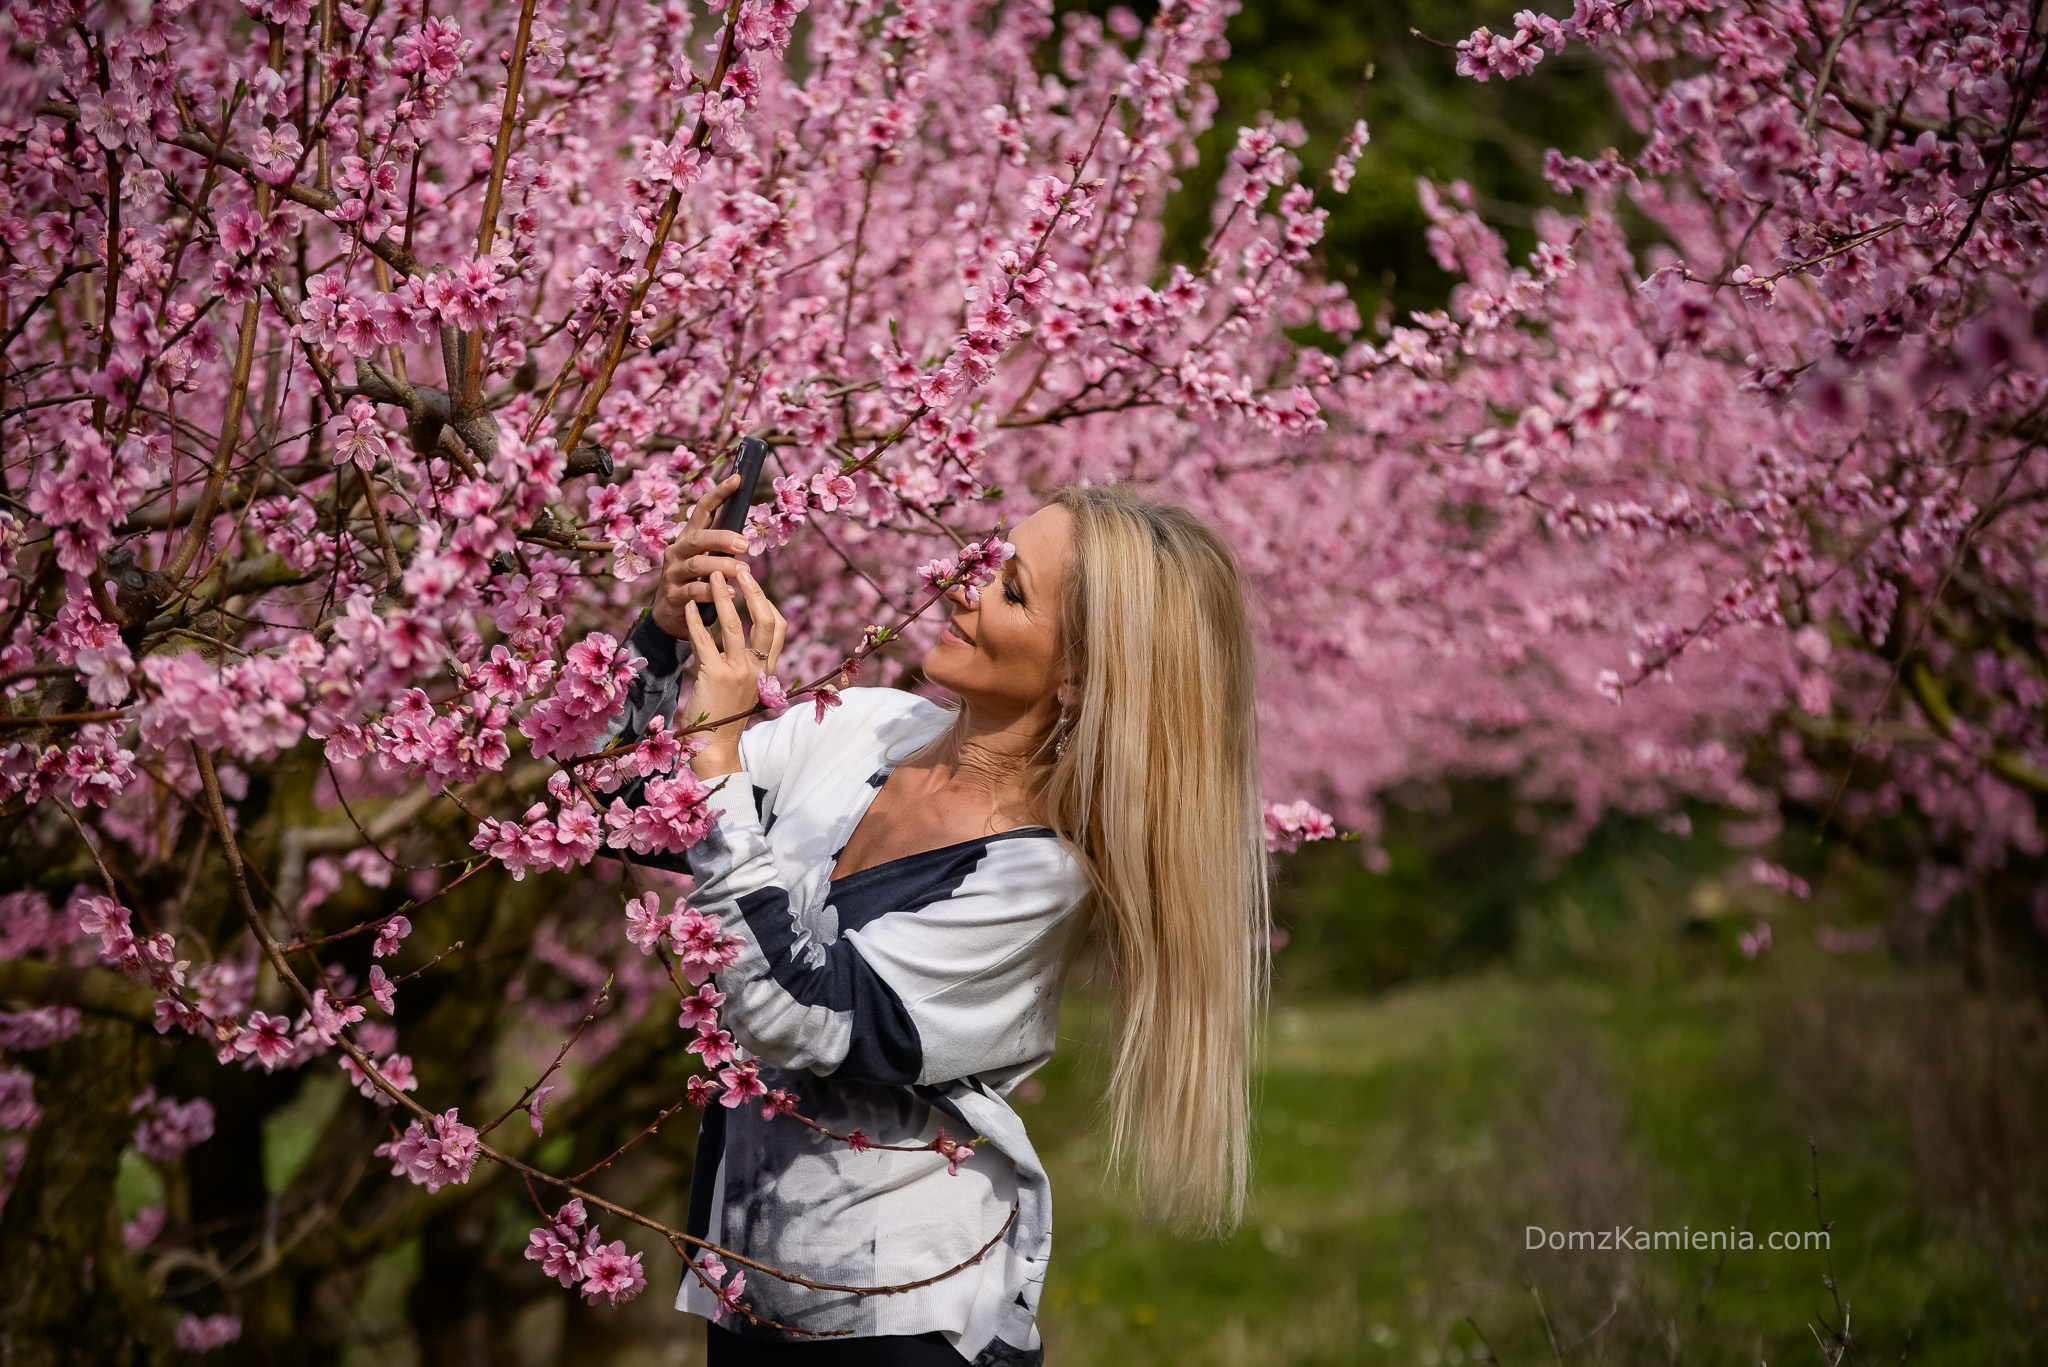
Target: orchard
359, 362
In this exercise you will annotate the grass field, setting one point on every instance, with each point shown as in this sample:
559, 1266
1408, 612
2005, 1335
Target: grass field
1407, 1141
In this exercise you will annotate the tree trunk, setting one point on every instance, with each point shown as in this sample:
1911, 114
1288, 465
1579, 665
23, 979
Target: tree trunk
68, 1295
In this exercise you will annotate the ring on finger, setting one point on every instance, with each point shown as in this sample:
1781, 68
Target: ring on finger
759, 654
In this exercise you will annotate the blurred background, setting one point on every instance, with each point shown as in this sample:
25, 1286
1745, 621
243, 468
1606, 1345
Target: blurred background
1491, 1034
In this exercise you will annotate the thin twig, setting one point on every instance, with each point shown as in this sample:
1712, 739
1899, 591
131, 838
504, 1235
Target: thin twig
487, 223
597, 1004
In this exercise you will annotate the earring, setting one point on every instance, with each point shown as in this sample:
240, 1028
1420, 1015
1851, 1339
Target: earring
1065, 727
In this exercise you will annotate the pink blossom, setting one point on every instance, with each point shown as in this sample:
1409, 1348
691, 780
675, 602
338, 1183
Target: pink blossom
29, 924
434, 50
275, 153
658, 752
729, 1294
536, 1105
390, 935
590, 691
1341, 169
830, 492
359, 438
773, 695
168, 1128
140, 1232
954, 1152
612, 1274
395, 1069
559, 1258
741, 1081
1756, 940
645, 922
323, 879
38, 1028
106, 670
382, 990
711, 1270
203, 1334
701, 1010
266, 1038
103, 917
716, 1046
702, 944
18, 1108
674, 163
1771, 875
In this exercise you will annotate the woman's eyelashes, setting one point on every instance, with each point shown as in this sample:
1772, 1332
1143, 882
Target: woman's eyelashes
1012, 594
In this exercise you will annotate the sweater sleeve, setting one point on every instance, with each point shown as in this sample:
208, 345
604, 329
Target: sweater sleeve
658, 688
932, 977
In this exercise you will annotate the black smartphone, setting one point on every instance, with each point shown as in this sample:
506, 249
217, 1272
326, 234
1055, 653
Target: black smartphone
732, 516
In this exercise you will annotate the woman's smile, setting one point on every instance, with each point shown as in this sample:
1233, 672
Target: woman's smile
1000, 648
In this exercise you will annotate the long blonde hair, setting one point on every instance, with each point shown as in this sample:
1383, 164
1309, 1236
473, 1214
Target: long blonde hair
1155, 776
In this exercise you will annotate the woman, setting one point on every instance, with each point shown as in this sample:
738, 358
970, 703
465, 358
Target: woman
908, 879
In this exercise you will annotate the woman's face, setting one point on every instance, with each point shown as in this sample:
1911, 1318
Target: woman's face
1000, 653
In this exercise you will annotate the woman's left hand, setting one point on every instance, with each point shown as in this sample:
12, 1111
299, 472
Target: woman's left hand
728, 678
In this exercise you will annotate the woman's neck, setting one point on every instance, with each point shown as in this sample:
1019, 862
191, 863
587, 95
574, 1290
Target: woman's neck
987, 756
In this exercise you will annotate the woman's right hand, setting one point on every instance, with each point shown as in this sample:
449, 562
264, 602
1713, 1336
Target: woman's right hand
729, 669
693, 557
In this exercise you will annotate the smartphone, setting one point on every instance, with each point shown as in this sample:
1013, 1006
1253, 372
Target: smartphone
732, 517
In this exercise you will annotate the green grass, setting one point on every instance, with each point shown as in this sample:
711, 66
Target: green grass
1408, 1140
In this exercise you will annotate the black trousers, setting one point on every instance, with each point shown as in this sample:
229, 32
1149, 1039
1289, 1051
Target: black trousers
728, 1349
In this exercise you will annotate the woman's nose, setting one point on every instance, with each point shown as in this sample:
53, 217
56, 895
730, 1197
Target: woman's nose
957, 596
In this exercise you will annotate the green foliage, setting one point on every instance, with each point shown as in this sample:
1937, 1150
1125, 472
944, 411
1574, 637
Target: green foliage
291, 1131
1470, 881
1458, 874
137, 1183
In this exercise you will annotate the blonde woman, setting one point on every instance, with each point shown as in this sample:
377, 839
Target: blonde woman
908, 878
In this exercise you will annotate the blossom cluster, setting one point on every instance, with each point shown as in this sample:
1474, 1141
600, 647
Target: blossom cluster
433, 1159
1289, 824
169, 1127
204, 1333
976, 566
572, 1252
697, 940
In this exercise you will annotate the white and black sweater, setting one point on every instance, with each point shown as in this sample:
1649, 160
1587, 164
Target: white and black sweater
899, 1000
